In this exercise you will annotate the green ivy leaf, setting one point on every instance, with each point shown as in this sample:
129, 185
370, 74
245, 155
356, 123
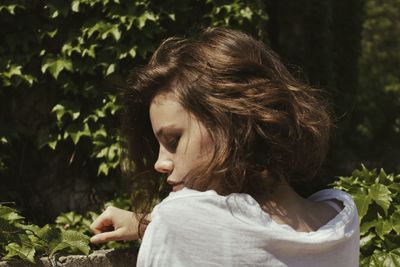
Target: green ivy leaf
13, 70
53, 33
24, 252
172, 16
59, 110
75, 131
367, 240
383, 259
110, 69
103, 168
382, 228
14, 75
90, 51
362, 200
383, 177
66, 108
9, 214
30, 229
132, 52
50, 140
391, 242
68, 48
7, 227
365, 226
69, 218
11, 8
381, 195
56, 65
368, 176
394, 186
145, 17
50, 236
395, 218
73, 240
75, 6
104, 29
246, 13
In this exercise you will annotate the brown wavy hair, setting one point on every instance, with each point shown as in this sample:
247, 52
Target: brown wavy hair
266, 125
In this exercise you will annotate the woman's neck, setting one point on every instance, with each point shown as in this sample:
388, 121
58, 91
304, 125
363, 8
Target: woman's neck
285, 206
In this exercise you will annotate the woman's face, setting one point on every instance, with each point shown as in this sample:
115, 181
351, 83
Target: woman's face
185, 143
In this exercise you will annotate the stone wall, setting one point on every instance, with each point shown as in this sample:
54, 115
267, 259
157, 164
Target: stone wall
99, 258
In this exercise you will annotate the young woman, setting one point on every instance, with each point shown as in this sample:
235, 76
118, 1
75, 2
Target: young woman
236, 136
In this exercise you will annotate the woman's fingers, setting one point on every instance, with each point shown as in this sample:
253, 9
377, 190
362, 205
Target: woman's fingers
114, 224
107, 236
101, 224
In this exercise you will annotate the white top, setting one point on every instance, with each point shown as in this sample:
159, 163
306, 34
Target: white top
192, 228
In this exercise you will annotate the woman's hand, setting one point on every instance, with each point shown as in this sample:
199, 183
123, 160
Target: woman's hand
114, 224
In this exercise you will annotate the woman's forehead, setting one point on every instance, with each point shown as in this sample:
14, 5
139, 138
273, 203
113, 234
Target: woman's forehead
160, 97
166, 110
165, 102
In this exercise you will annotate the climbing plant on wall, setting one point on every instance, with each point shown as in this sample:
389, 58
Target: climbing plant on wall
63, 65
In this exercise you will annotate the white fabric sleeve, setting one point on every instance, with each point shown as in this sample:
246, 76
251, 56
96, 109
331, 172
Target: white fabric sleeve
191, 228
186, 232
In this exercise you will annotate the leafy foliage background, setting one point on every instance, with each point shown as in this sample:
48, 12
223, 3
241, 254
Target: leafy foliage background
21, 240
62, 67
27, 242
377, 196
64, 63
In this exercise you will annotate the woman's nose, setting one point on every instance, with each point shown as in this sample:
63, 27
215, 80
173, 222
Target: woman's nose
164, 165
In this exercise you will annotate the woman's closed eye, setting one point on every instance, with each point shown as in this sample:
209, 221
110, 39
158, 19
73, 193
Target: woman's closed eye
171, 143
